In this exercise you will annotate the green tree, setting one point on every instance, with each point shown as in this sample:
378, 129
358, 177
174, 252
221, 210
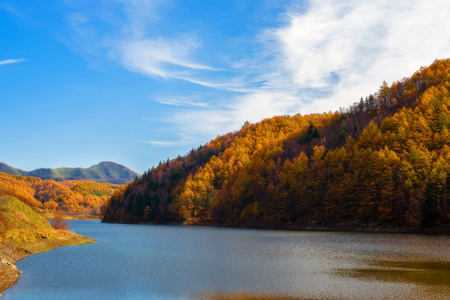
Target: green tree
429, 205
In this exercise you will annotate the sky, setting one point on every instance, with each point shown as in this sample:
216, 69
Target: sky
140, 81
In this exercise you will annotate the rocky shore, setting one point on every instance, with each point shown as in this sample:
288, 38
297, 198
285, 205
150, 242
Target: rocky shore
9, 274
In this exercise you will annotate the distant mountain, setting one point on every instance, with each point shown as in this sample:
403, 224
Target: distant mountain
103, 172
10, 170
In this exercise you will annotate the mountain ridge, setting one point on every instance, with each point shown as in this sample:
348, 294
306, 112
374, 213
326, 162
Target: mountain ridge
103, 172
383, 161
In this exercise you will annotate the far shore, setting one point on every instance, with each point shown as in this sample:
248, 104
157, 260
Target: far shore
50, 216
439, 230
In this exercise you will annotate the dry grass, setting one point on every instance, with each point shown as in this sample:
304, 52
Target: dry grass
23, 227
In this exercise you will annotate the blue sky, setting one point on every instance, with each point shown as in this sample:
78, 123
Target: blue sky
137, 82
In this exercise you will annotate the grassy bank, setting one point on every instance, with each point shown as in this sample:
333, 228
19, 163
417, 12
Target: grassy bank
22, 232
51, 216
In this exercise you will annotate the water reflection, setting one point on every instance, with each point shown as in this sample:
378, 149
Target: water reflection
253, 296
170, 262
430, 273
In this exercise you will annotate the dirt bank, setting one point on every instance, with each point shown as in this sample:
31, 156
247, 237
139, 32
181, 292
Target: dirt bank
9, 274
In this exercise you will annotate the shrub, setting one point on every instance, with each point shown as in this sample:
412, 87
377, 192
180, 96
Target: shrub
59, 222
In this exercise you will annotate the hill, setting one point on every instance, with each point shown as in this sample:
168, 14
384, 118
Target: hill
23, 231
10, 170
384, 161
74, 197
103, 172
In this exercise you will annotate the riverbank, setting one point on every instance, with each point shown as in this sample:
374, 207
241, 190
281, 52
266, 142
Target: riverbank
51, 216
10, 254
344, 227
439, 230
9, 274
22, 232
347, 228
445, 229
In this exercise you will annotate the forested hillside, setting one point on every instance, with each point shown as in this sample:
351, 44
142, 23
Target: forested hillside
68, 197
384, 161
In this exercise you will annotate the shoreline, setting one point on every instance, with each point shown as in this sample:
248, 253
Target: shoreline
441, 230
345, 228
10, 254
9, 274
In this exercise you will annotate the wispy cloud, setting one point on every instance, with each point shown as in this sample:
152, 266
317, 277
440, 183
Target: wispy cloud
125, 31
166, 143
329, 54
9, 8
11, 61
323, 55
161, 57
183, 102
341, 50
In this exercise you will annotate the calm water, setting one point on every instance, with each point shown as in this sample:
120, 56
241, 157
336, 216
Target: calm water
171, 262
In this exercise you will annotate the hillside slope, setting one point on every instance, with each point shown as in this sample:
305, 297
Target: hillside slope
72, 197
23, 231
103, 172
384, 161
10, 170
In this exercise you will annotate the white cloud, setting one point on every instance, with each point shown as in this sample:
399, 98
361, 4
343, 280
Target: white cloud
127, 32
11, 61
329, 56
183, 102
162, 57
348, 48
166, 143
79, 19
138, 15
325, 55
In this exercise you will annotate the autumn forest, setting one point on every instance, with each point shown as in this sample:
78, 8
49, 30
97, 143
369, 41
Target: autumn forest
72, 197
384, 161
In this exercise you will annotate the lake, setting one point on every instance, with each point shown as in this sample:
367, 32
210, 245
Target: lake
175, 262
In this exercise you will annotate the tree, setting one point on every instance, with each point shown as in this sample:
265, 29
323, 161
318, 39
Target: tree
146, 215
384, 94
59, 222
429, 208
